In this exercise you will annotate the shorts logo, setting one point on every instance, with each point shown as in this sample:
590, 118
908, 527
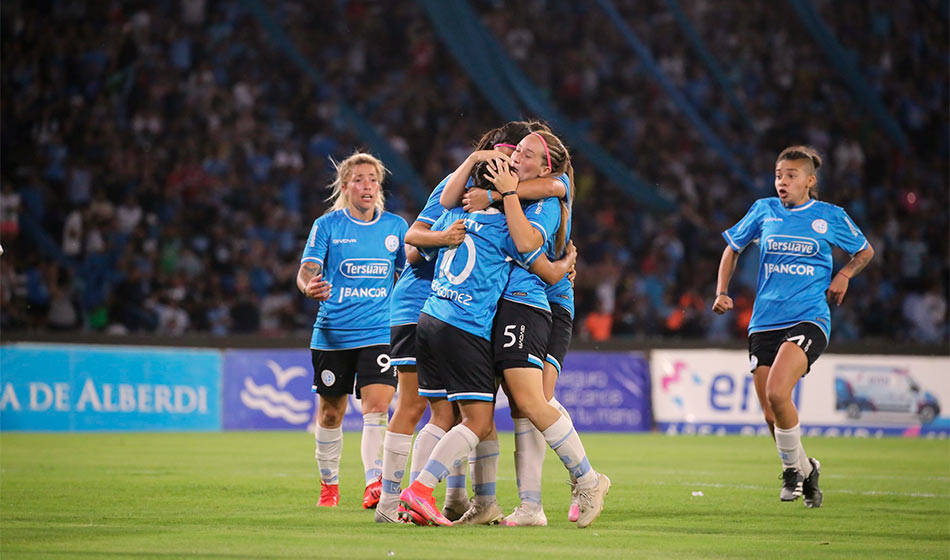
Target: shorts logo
327, 377
753, 362
819, 225
392, 242
365, 268
791, 245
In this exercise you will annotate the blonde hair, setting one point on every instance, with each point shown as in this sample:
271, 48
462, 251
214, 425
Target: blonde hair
800, 152
560, 164
344, 171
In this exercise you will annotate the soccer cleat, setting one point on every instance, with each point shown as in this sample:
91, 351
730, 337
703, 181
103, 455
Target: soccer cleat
412, 501
329, 495
810, 489
371, 494
454, 511
590, 501
386, 513
526, 517
791, 484
574, 511
481, 514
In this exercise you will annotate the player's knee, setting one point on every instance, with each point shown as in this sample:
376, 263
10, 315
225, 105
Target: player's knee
481, 428
375, 406
777, 399
412, 407
330, 417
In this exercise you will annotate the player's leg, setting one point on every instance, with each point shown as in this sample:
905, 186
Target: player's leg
803, 344
484, 508
398, 441
456, 495
529, 458
562, 328
375, 386
457, 445
329, 446
559, 433
333, 382
789, 366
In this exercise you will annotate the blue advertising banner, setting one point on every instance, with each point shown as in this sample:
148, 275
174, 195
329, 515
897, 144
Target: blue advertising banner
83, 388
606, 391
271, 390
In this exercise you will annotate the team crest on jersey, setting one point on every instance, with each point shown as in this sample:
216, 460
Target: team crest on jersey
392, 242
328, 378
819, 225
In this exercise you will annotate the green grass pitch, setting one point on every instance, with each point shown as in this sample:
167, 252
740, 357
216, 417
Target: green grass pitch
253, 494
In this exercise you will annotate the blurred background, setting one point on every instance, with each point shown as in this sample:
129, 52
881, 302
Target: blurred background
162, 161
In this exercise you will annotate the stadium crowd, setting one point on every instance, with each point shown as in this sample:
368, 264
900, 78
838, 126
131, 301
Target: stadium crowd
162, 161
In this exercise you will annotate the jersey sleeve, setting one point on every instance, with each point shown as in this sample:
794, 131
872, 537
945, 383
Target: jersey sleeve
400, 262
845, 234
567, 187
317, 243
440, 224
747, 230
545, 216
433, 208
523, 259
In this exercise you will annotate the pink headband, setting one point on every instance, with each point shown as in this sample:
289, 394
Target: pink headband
546, 152
512, 146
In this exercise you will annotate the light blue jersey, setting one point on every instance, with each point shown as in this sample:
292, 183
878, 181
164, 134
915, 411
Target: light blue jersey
471, 276
795, 267
526, 287
360, 260
562, 293
414, 285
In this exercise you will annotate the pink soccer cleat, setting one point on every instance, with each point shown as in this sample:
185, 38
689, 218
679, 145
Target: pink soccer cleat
417, 503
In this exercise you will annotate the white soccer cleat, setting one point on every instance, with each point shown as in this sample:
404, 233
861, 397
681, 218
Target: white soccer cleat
526, 517
574, 511
453, 511
386, 514
481, 514
591, 501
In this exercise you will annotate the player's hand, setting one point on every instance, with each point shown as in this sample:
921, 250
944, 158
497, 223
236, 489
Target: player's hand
475, 200
722, 304
502, 176
837, 289
454, 235
318, 288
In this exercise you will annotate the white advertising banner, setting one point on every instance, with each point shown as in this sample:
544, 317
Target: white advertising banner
712, 391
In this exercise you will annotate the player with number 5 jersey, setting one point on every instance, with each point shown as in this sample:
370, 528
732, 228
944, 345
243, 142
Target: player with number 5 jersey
351, 260
791, 319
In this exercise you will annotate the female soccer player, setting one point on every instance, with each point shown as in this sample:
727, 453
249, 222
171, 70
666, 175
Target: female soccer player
409, 295
530, 446
454, 335
791, 321
353, 255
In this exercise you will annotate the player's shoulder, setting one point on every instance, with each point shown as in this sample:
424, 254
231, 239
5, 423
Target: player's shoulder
828, 208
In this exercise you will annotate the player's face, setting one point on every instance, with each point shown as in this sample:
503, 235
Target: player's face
793, 178
362, 188
529, 160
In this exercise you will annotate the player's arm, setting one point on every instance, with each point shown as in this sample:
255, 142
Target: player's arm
839, 284
413, 256
422, 235
455, 186
527, 238
311, 283
553, 272
727, 266
532, 189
